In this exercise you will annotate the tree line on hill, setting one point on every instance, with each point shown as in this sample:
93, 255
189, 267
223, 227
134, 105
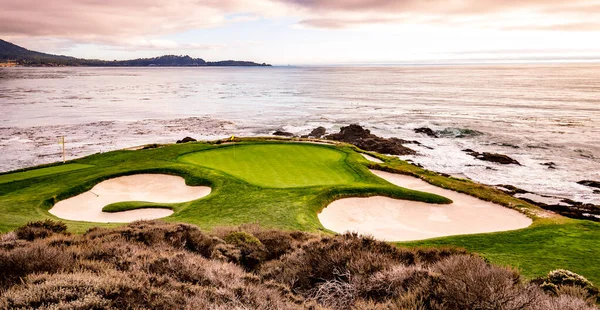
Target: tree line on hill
11, 53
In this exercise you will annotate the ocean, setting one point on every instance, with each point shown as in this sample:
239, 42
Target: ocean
534, 113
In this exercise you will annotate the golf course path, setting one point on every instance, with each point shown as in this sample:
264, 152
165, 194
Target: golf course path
156, 188
403, 220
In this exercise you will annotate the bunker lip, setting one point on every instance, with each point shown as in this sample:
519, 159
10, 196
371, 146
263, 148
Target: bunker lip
156, 188
403, 220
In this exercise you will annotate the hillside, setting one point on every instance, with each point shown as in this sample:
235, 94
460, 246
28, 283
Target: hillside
11, 53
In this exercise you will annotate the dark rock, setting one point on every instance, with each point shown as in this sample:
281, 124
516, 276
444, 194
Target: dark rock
150, 146
364, 139
577, 210
283, 133
590, 183
550, 165
459, 133
512, 190
186, 140
427, 131
492, 157
304, 136
317, 132
597, 191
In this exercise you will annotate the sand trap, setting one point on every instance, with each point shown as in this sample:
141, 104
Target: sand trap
402, 220
160, 188
371, 158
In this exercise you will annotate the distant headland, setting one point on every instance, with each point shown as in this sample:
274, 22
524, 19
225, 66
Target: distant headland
12, 55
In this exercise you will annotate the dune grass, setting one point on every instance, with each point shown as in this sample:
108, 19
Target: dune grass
278, 165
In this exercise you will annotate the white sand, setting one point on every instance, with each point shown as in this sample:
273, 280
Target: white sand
402, 220
159, 188
371, 158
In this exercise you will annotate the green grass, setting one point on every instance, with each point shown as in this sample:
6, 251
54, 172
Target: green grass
278, 165
16, 176
134, 205
547, 245
308, 177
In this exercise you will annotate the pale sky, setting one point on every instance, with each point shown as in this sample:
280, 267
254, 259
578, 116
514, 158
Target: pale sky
316, 32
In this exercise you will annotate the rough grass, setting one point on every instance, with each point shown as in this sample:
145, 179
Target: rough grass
16, 176
278, 165
154, 265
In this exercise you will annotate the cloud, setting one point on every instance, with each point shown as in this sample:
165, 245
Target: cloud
141, 23
100, 20
573, 15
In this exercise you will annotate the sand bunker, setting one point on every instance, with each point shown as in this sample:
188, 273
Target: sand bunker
371, 158
159, 188
402, 220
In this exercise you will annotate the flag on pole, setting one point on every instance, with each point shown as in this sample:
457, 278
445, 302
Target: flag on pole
232, 137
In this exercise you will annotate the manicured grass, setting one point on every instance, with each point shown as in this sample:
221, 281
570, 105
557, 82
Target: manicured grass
134, 205
16, 176
278, 165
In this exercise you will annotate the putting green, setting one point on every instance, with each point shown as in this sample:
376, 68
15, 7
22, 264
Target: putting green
5, 178
277, 165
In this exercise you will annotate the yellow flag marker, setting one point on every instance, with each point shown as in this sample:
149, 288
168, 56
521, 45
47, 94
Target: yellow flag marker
232, 137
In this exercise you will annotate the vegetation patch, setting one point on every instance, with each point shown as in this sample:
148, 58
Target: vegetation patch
155, 265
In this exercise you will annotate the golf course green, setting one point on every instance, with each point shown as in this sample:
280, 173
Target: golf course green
278, 165
283, 185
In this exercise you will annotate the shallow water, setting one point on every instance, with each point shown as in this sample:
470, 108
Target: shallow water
534, 113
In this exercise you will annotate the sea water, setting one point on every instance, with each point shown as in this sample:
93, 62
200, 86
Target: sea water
535, 113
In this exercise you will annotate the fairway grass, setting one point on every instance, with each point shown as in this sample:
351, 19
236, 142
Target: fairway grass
278, 165
16, 176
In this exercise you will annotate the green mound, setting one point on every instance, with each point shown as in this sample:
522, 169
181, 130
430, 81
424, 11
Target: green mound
17, 176
277, 165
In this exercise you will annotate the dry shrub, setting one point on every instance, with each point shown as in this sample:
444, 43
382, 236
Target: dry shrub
155, 265
40, 230
469, 282
34, 258
562, 281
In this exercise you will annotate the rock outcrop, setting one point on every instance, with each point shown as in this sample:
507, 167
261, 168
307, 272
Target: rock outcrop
590, 183
428, 131
492, 157
283, 133
317, 132
186, 140
364, 139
